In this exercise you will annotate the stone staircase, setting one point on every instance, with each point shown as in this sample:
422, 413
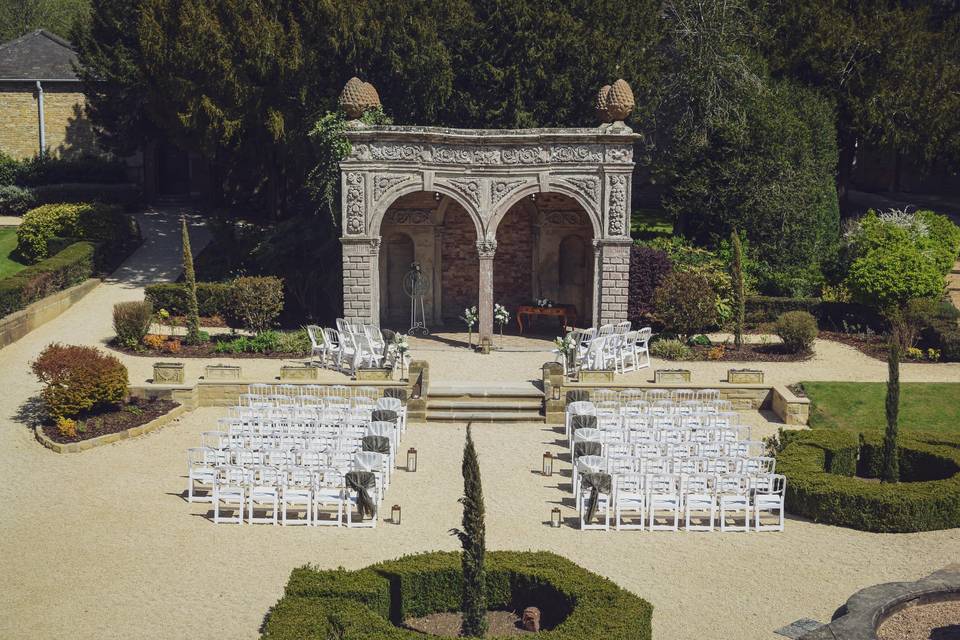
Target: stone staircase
485, 403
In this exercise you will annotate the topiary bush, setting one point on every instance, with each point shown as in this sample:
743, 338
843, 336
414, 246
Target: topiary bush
797, 330
71, 266
258, 301
648, 268
131, 322
686, 304
78, 380
825, 469
15, 201
213, 298
106, 224
575, 604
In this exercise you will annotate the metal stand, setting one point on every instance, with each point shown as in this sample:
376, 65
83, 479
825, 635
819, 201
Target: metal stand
415, 286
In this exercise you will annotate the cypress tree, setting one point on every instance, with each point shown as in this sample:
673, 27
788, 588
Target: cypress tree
891, 463
739, 302
193, 309
473, 540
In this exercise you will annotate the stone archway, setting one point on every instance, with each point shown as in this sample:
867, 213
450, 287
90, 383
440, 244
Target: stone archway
485, 173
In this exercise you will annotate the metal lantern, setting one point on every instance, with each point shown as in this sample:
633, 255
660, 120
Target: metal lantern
555, 518
395, 514
556, 392
411, 459
548, 464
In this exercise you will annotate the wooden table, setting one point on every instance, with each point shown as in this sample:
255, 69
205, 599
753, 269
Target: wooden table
566, 312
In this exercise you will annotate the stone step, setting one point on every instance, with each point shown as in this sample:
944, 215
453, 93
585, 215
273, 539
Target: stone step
487, 404
483, 416
485, 391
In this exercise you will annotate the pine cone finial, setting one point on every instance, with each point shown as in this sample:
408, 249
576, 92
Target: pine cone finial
358, 96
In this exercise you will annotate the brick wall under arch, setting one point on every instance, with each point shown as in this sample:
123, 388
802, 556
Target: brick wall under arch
460, 263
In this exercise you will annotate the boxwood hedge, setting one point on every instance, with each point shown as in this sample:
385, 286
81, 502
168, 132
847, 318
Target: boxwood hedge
826, 469
213, 298
72, 265
575, 604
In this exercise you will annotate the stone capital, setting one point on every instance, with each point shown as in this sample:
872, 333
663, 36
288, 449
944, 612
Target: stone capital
486, 248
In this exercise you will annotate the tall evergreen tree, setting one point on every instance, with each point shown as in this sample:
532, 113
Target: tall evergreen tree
190, 277
891, 461
473, 540
739, 298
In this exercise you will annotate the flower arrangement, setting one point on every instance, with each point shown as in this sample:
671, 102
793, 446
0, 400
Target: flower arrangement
401, 347
501, 316
566, 347
470, 317
544, 303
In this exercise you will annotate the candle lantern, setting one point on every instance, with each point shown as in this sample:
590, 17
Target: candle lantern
548, 464
395, 514
555, 518
411, 459
556, 392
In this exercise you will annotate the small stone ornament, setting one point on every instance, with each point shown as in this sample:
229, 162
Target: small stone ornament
358, 96
531, 619
614, 103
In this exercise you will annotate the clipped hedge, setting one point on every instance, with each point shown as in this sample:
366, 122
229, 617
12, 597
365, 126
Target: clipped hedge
213, 298
821, 466
369, 603
103, 223
71, 266
123, 194
831, 316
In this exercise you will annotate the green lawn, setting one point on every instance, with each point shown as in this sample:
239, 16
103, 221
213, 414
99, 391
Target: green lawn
858, 406
647, 224
8, 242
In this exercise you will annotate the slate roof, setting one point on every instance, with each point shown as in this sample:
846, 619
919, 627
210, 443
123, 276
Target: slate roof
38, 55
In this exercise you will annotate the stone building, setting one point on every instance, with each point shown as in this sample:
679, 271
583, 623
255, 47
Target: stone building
37, 79
492, 216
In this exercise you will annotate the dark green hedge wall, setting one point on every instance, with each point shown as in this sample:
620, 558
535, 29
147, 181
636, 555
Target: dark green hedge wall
366, 603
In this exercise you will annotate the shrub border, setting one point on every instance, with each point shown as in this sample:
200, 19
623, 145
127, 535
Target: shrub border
109, 438
819, 466
369, 602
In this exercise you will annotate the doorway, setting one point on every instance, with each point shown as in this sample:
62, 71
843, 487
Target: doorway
400, 255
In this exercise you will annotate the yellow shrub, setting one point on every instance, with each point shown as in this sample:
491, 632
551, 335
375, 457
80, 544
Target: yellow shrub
67, 427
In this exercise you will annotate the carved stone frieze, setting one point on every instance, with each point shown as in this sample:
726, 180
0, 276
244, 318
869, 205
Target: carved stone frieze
619, 154
408, 216
571, 217
355, 203
587, 186
469, 188
617, 205
501, 188
386, 181
522, 155
576, 153
396, 152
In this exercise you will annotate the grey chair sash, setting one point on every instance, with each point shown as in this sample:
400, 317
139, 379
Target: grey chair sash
377, 444
388, 336
395, 392
578, 395
384, 415
581, 421
362, 482
597, 483
587, 449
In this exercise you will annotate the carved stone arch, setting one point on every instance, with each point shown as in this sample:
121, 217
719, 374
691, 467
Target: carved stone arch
556, 185
412, 186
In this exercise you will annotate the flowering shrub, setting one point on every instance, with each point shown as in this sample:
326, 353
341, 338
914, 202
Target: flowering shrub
153, 341
79, 379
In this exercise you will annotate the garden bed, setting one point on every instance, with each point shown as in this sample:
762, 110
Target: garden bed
134, 412
270, 344
448, 625
774, 352
876, 346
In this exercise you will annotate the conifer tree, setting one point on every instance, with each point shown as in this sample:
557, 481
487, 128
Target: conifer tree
739, 303
193, 309
473, 540
891, 463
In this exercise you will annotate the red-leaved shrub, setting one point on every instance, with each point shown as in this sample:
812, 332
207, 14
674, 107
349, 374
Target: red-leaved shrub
79, 379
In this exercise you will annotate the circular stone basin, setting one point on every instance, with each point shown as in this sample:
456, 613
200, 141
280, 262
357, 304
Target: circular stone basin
923, 619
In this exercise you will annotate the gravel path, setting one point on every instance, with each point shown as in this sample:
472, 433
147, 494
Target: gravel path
101, 545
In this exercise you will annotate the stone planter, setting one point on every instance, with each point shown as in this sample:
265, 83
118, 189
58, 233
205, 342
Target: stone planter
222, 372
744, 376
671, 376
375, 374
602, 375
298, 372
168, 373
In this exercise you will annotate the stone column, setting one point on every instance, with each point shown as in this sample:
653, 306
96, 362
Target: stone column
486, 249
613, 280
438, 275
361, 278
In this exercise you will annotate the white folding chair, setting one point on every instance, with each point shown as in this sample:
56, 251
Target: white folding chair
700, 501
297, 497
629, 497
264, 494
229, 492
734, 501
328, 500
663, 500
770, 500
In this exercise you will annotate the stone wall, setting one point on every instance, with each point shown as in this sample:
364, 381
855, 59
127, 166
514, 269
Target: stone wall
615, 281
461, 272
68, 131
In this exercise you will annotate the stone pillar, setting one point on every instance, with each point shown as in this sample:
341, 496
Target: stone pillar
486, 249
613, 280
361, 279
438, 275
